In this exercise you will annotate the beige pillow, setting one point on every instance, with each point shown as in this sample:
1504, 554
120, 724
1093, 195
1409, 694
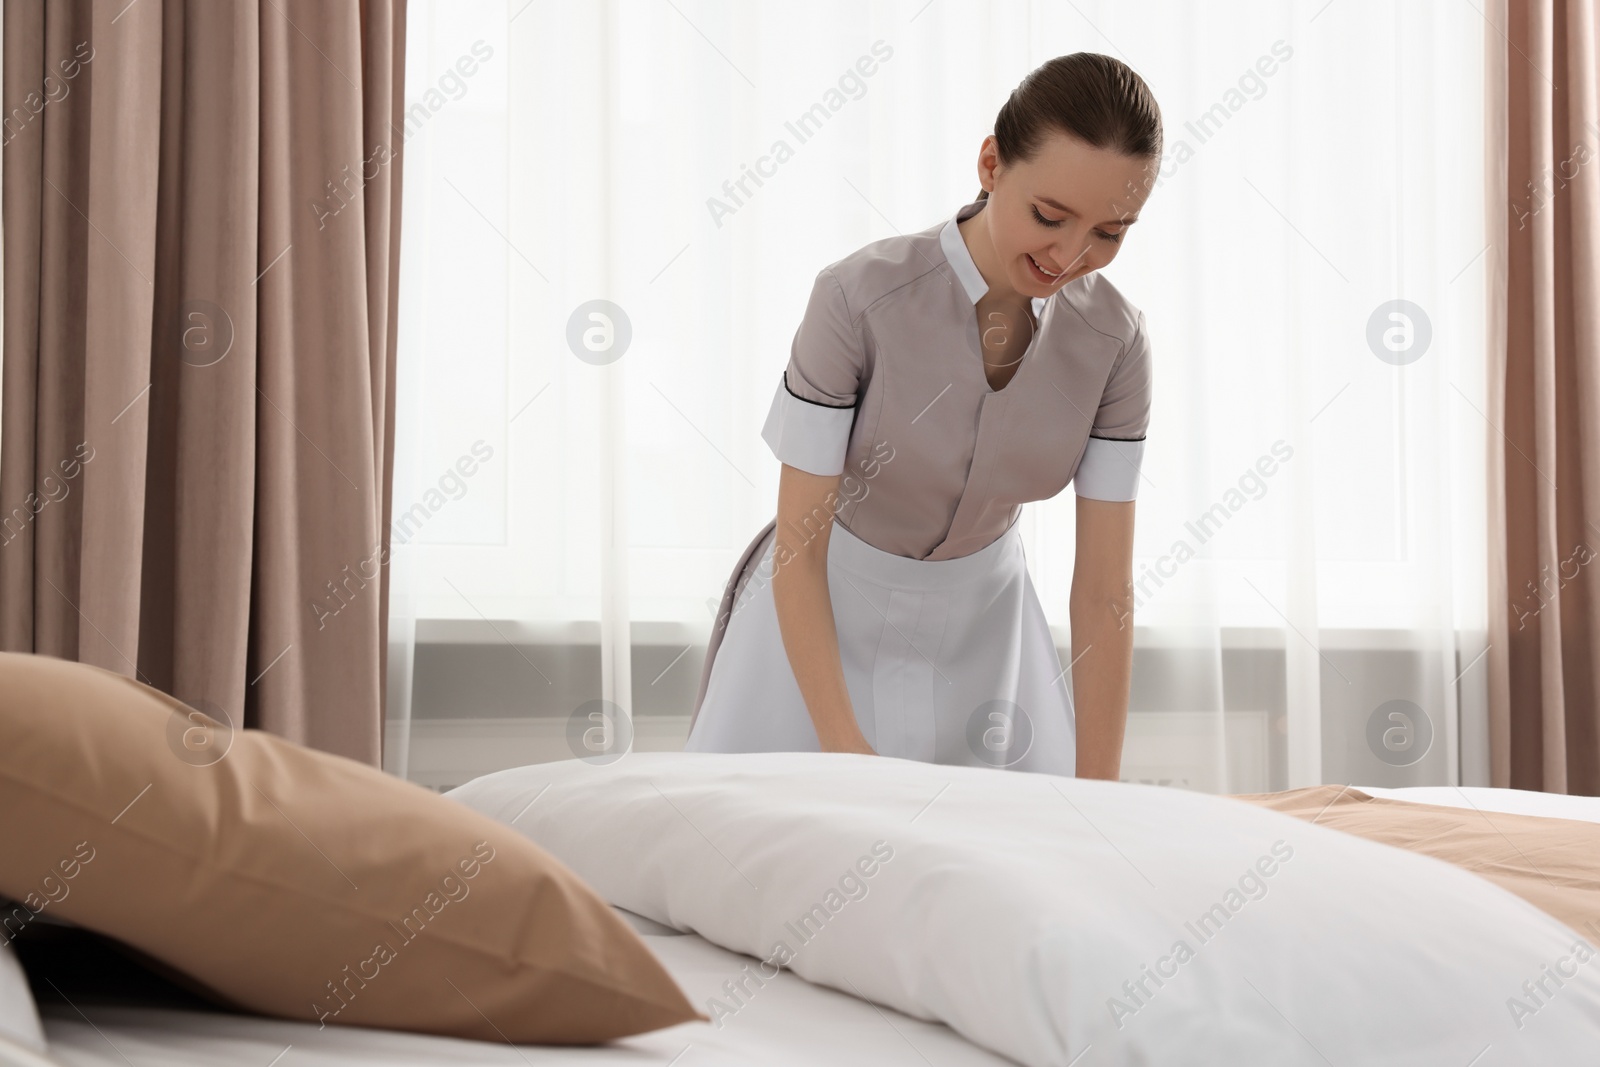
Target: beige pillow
297, 883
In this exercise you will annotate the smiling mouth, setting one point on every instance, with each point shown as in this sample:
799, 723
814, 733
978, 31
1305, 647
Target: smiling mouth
1046, 273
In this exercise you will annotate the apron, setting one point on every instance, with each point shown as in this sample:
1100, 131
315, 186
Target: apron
946, 661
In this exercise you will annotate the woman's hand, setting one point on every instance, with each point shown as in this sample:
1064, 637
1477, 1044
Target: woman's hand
801, 598
858, 743
1101, 615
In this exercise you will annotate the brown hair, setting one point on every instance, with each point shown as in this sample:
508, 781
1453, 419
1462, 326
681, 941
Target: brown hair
1095, 98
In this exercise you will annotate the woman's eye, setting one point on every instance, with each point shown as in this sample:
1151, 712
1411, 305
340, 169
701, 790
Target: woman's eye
1114, 238
1041, 220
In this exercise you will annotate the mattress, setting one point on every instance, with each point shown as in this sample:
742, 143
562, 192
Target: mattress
1510, 801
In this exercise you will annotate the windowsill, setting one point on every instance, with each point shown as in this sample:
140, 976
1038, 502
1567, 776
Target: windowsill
668, 632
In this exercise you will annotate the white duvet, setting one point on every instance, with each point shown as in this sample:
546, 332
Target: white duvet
1063, 921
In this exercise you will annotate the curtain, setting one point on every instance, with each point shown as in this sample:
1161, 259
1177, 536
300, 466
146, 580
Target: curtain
200, 267
666, 180
1544, 664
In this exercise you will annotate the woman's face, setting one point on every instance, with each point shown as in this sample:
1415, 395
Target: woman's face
1066, 211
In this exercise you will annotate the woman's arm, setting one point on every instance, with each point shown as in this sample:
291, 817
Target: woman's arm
1102, 626
805, 610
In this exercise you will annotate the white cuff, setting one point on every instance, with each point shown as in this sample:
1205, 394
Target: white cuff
808, 435
1109, 469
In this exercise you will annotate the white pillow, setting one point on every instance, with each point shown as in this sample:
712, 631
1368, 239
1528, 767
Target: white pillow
1043, 916
19, 1016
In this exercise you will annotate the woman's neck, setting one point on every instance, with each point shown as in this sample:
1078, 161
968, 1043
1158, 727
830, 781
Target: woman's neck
974, 231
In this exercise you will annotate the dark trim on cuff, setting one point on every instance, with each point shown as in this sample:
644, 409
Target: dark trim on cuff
808, 400
1100, 437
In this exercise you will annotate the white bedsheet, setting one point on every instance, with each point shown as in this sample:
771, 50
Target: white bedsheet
786, 1023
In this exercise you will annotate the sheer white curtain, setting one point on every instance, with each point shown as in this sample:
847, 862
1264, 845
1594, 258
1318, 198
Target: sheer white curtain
613, 214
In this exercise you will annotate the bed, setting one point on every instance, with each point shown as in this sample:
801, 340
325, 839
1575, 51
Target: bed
791, 1022
841, 1003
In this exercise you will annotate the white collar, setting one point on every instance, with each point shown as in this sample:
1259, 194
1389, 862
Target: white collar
955, 250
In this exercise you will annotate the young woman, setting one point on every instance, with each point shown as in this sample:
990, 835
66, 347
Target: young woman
938, 381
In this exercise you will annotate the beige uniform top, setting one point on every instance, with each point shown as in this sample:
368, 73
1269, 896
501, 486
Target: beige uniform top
885, 384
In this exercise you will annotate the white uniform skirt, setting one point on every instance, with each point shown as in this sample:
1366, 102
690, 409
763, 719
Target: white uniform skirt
946, 661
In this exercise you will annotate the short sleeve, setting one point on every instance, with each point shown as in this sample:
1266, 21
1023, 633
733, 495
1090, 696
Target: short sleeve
1111, 460
814, 406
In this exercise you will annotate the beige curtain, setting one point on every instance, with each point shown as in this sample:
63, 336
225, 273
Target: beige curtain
1544, 383
201, 225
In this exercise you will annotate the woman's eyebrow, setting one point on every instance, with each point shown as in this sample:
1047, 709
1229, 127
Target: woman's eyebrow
1110, 222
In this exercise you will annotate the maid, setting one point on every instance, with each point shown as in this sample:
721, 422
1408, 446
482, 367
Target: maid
937, 382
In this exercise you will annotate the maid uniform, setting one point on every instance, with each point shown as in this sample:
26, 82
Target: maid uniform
946, 652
